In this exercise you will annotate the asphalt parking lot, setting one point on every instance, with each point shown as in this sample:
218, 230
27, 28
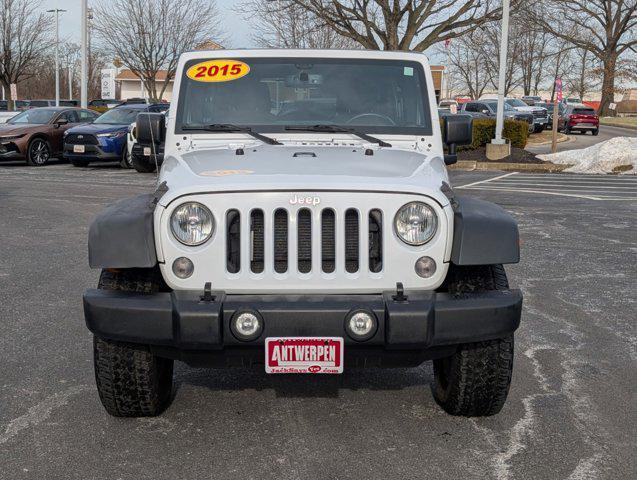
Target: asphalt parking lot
583, 140
571, 412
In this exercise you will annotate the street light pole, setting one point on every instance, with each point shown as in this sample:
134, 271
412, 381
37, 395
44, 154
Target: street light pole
57, 12
70, 67
84, 73
504, 45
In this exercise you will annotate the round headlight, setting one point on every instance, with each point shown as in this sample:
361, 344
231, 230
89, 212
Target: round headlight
416, 223
192, 223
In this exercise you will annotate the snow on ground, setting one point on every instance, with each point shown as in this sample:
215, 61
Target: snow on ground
603, 157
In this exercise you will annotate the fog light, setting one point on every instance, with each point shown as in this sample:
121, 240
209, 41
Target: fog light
246, 326
361, 325
425, 267
183, 267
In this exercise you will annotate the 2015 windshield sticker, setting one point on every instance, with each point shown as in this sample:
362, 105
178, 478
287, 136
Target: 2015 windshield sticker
223, 70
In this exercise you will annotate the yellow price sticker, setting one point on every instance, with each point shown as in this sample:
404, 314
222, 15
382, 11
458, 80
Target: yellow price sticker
218, 71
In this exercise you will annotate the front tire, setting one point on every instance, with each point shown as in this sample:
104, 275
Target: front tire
475, 380
131, 381
126, 161
38, 152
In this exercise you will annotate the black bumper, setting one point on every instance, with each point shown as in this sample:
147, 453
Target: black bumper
182, 322
92, 153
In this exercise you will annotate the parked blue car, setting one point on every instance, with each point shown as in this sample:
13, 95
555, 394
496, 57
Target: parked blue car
105, 139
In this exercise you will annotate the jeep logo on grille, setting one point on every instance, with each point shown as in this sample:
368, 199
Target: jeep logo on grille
305, 200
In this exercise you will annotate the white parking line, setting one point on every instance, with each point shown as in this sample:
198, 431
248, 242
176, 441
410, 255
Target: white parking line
590, 187
487, 180
566, 185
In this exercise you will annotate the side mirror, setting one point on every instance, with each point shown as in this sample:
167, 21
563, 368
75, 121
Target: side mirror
61, 121
151, 128
486, 111
458, 130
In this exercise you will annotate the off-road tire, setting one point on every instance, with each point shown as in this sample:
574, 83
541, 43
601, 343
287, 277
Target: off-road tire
131, 381
76, 162
143, 166
475, 380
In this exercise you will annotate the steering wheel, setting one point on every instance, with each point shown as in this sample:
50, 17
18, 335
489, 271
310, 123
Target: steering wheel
377, 115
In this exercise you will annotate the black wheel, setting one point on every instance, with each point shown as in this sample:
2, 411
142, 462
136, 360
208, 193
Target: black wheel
595, 132
126, 162
142, 165
131, 381
38, 152
538, 129
76, 162
567, 130
475, 380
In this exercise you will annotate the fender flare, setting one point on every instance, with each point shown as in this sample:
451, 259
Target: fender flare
483, 233
122, 236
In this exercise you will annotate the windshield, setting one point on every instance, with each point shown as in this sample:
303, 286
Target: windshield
494, 106
583, 111
372, 96
119, 116
37, 116
516, 102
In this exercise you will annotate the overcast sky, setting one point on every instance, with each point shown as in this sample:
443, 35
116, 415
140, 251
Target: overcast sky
234, 25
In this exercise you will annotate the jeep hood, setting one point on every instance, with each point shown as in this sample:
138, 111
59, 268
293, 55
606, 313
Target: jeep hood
303, 168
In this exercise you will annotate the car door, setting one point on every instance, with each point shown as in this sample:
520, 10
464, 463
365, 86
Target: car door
58, 129
561, 120
87, 116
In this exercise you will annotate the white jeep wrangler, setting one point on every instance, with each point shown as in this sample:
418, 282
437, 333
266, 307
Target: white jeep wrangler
303, 221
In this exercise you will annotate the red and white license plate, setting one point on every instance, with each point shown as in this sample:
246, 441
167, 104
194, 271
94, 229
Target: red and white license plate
304, 355
78, 149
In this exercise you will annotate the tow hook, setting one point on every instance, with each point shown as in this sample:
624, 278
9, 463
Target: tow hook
207, 296
400, 293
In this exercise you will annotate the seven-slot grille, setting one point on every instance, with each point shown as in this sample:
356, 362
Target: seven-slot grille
304, 241
81, 139
542, 113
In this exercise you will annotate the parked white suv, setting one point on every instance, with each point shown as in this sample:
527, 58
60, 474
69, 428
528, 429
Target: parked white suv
304, 222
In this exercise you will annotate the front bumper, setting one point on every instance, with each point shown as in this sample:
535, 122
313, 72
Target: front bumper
178, 324
106, 151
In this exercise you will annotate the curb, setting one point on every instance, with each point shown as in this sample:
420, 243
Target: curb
561, 138
627, 126
522, 167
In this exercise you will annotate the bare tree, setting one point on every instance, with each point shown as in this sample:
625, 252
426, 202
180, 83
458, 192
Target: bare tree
286, 25
533, 54
402, 24
24, 38
605, 28
149, 35
584, 73
468, 64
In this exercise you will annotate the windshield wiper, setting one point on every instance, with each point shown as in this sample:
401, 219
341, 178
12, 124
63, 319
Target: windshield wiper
227, 127
325, 128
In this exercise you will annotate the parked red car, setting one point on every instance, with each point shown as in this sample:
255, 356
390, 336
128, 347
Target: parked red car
578, 118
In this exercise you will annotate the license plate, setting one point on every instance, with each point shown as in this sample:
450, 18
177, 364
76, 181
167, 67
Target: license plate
304, 355
587, 125
78, 148
147, 151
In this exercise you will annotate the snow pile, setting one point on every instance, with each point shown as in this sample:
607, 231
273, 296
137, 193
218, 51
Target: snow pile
603, 157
